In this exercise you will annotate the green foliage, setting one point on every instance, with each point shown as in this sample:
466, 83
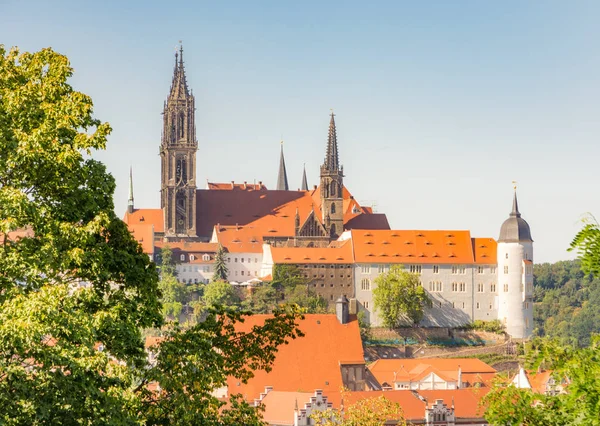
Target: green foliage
285, 276
567, 302
306, 298
220, 265
579, 405
375, 411
262, 299
587, 245
57, 230
398, 294
167, 267
493, 326
364, 326
220, 293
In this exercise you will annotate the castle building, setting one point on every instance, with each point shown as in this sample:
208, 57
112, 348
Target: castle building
340, 246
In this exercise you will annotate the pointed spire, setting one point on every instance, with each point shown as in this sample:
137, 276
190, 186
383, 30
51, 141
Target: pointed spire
179, 87
515, 207
304, 181
332, 162
130, 200
282, 181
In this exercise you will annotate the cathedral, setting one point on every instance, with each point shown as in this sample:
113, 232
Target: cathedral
339, 246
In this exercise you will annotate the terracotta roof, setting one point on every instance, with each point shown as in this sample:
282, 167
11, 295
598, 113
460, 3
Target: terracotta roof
539, 380
223, 186
392, 370
484, 250
143, 234
466, 401
279, 406
306, 363
335, 255
413, 246
189, 246
146, 216
15, 235
240, 239
527, 262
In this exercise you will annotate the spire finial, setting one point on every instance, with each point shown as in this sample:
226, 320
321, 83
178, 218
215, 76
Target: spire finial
282, 181
331, 155
130, 200
304, 186
180, 53
515, 207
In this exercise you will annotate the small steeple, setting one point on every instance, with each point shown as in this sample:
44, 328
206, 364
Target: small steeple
515, 207
304, 181
179, 87
332, 162
130, 200
282, 181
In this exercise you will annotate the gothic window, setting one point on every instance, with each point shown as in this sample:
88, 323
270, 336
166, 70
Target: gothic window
172, 127
181, 125
333, 231
332, 210
333, 190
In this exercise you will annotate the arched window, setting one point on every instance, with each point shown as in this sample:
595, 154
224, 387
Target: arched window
333, 231
332, 210
365, 284
333, 189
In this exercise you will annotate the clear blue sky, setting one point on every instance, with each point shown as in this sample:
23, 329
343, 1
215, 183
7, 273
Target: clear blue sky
440, 104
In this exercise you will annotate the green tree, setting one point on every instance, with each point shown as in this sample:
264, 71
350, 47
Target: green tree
174, 294
398, 294
579, 405
587, 245
375, 411
262, 299
57, 230
306, 298
220, 265
220, 293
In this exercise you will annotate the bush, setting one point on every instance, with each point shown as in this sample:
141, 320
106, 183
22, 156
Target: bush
494, 326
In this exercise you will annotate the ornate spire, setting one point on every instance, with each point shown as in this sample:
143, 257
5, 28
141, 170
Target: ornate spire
332, 162
179, 87
304, 181
282, 181
130, 199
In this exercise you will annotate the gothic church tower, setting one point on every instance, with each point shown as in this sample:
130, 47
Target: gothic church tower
332, 184
178, 157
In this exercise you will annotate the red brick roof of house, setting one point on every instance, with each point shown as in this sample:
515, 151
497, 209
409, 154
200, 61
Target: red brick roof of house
306, 363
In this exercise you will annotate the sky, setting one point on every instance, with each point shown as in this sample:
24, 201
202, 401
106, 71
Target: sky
439, 105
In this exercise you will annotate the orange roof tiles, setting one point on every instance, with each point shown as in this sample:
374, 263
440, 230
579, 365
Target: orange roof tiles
240, 239
539, 380
466, 401
334, 255
223, 186
412, 406
306, 363
392, 370
146, 216
144, 234
412, 246
485, 250
279, 406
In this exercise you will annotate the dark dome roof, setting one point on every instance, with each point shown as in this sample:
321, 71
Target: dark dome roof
515, 228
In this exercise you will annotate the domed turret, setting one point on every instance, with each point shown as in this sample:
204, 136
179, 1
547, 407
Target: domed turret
515, 228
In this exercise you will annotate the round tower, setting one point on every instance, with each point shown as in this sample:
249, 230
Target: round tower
515, 275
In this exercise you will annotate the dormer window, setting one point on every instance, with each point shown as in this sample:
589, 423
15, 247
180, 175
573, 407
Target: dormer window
206, 257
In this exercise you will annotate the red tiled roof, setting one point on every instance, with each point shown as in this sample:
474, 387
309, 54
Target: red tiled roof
144, 234
306, 363
368, 221
466, 401
412, 406
484, 250
223, 186
146, 216
392, 370
335, 255
279, 406
412, 246
240, 239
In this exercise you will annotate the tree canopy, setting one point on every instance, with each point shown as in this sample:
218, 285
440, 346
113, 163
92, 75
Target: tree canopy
76, 289
398, 295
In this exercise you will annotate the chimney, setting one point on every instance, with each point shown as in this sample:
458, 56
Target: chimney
341, 310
